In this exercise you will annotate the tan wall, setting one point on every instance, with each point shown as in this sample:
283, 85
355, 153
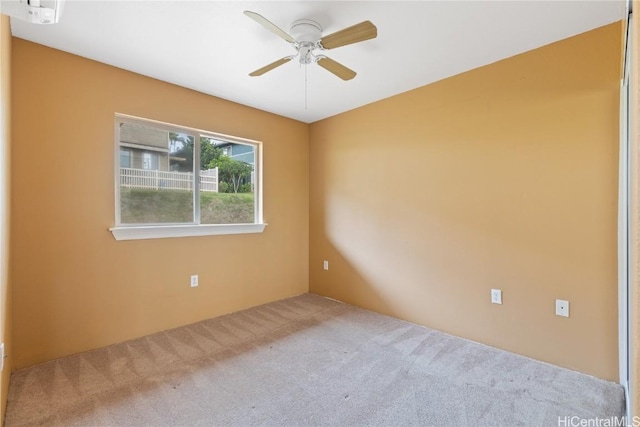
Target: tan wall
635, 216
501, 177
5, 136
75, 287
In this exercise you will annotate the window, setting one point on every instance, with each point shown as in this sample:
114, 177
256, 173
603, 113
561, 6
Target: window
125, 158
174, 181
150, 161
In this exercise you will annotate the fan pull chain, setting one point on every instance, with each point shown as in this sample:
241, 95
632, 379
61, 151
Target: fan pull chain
305, 87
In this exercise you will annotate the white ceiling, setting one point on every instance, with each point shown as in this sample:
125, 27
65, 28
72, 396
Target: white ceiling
211, 46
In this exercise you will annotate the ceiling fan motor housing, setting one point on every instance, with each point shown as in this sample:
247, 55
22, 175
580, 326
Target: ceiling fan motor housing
307, 33
306, 30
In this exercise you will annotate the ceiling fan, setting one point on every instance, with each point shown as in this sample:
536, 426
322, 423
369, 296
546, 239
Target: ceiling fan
306, 38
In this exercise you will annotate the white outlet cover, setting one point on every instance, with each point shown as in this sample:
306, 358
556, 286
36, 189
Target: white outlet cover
496, 296
325, 265
562, 308
194, 280
2, 356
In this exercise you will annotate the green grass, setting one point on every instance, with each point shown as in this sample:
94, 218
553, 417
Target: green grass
226, 208
142, 206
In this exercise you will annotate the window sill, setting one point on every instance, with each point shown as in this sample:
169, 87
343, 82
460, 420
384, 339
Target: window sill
166, 231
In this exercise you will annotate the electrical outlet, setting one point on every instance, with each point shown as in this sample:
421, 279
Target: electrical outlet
325, 265
2, 356
194, 281
562, 308
496, 296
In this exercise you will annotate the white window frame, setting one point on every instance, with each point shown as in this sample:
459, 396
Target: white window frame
158, 231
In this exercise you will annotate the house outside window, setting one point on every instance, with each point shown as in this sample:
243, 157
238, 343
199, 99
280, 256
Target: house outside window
171, 177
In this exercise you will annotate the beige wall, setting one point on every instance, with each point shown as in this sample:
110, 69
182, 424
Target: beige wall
5, 134
501, 177
75, 287
635, 216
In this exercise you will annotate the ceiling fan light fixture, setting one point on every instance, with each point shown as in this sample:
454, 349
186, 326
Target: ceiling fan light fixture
305, 51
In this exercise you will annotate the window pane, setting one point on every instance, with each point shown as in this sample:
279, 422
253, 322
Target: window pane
156, 177
125, 158
157, 174
226, 182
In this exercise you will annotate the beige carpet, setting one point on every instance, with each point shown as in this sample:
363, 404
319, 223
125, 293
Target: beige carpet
303, 361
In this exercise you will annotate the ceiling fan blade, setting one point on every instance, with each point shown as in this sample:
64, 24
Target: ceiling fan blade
269, 26
279, 62
336, 68
354, 34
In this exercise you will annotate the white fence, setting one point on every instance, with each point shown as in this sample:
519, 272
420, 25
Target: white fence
163, 180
